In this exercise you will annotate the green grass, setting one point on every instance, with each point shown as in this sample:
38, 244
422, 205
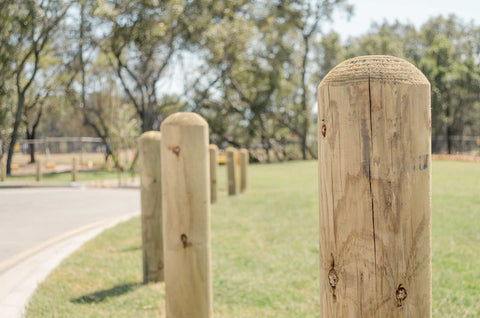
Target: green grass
265, 253
67, 176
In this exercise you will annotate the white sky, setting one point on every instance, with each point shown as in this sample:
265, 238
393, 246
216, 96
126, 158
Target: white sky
413, 11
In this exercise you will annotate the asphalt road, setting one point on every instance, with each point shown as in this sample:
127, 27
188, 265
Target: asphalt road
30, 217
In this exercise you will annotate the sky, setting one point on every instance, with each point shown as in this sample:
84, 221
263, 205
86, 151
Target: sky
413, 11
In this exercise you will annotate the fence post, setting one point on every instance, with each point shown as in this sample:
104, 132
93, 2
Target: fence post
374, 190
230, 153
243, 159
213, 172
186, 206
151, 198
38, 174
74, 169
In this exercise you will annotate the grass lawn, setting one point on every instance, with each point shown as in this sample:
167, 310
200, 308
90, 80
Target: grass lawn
265, 253
67, 176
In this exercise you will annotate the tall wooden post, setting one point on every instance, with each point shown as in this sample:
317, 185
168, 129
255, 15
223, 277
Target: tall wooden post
243, 160
186, 207
375, 194
74, 169
213, 172
3, 168
230, 152
151, 200
38, 170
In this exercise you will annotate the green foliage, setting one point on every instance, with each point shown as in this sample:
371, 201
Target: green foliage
446, 50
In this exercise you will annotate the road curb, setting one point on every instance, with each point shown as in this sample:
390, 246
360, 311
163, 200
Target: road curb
21, 274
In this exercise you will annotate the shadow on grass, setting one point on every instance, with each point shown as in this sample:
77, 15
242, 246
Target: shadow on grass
99, 296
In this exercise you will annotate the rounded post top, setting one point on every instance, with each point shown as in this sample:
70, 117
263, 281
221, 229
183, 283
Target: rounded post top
184, 119
152, 134
243, 150
213, 147
383, 68
230, 149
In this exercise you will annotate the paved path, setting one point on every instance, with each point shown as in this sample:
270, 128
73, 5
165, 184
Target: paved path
39, 227
29, 217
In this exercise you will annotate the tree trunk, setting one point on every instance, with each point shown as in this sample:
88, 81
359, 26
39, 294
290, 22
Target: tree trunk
305, 108
14, 136
449, 140
31, 145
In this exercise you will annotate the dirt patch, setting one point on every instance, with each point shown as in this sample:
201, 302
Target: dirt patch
459, 157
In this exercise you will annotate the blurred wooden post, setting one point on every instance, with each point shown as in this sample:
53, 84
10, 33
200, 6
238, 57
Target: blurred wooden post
151, 198
375, 195
230, 153
213, 172
3, 168
74, 169
186, 207
243, 160
38, 174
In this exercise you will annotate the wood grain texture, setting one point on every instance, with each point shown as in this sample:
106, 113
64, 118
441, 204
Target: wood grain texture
374, 190
186, 206
74, 169
231, 153
243, 164
151, 201
213, 149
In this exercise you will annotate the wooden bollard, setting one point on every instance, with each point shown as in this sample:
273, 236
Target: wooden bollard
151, 201
213, 172
186, 207
74, 169
38, 171
375, 194
230, 153
243, 163
3, 169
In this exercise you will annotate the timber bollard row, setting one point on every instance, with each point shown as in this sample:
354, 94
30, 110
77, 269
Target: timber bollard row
178, 173
374, 195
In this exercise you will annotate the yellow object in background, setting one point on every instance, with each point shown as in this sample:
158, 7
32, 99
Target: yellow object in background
14, 166
16, 147
222, 160
50, 166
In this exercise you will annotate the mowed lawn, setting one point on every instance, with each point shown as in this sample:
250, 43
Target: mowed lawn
265, 253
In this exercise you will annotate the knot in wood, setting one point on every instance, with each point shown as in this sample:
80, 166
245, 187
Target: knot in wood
401, 295
324, 130
332, 278
184, 240
176, 150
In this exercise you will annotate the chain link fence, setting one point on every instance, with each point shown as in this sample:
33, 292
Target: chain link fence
467, 145
56, 154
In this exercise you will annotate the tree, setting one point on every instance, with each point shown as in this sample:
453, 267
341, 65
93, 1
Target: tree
447, 51
31, 32
143, 40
